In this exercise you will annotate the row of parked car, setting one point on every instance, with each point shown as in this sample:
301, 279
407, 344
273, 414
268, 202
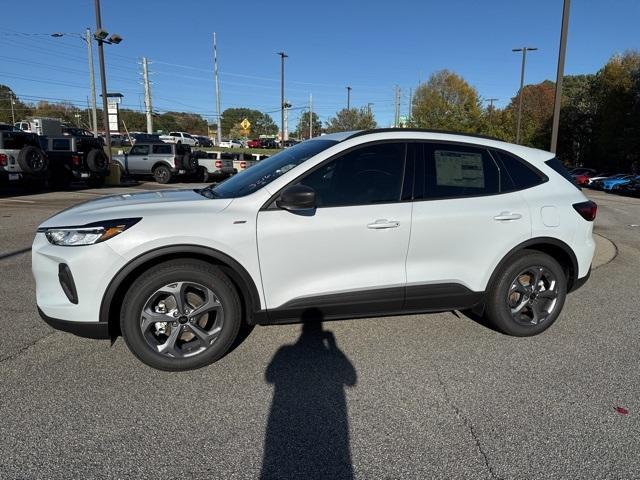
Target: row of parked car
169, 161
619, 183
54, 160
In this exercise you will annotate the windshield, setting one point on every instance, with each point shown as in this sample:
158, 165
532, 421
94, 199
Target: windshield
268, 170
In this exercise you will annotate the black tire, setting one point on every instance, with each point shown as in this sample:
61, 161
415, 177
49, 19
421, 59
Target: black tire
173, 271
32, 160
97, 161
203, 175
162, 174
498, 312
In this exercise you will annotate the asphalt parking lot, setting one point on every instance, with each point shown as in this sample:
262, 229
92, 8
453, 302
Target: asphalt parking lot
422, 396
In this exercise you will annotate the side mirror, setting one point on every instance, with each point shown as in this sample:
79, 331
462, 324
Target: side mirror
297, 197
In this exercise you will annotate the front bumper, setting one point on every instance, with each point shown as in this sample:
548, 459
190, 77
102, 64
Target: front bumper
91, 267
99, 330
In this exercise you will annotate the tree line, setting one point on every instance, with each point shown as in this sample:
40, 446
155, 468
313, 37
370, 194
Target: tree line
599, 116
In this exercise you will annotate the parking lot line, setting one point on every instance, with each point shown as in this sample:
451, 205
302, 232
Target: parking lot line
16, 200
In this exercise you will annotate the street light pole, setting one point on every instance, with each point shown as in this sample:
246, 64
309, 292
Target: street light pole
559, 76
524, 51
92, 83
282, 105
348, 98
103, 82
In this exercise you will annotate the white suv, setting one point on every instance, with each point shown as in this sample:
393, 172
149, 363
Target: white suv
357, 224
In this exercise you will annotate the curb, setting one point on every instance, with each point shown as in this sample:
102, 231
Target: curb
605, 252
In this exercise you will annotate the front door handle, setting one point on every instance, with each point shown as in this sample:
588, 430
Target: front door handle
383, 223
507, 216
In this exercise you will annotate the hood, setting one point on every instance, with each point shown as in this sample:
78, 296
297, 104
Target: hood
129, 205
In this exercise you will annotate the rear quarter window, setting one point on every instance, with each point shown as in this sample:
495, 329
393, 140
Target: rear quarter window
518, 174
557, 166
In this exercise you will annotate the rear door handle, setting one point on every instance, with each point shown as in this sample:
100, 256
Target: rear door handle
506, 216
383, 223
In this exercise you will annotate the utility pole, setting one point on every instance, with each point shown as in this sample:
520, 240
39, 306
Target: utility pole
92, 83
215, 74
348, 98
282, 103
147, 95
369, 107
13, 116
410, 101
310, 116
524, 51
560, 74
396, 122
103, 82
491, 100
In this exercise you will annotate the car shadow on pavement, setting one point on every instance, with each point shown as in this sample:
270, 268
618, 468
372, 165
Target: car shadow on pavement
308, 428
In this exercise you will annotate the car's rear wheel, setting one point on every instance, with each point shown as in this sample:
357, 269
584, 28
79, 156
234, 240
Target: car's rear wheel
527, 295
181, 315
162, 174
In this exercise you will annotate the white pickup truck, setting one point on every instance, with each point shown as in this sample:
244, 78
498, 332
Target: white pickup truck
183, 138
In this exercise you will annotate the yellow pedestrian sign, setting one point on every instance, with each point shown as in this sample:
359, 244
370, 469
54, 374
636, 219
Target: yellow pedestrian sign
245, 124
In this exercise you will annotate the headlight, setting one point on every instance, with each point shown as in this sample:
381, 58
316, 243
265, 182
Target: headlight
87, 234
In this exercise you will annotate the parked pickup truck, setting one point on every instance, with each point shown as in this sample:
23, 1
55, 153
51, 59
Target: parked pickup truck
164, 161
179, 137
215, 166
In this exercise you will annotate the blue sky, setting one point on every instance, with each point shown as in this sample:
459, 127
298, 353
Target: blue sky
370, 45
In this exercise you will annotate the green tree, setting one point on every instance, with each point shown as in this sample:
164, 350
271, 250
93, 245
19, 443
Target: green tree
302, 129
446, 102
351, 119
537, 110
616, 127
20, 109
261, 123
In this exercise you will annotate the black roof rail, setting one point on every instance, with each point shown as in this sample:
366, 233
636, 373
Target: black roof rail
421, 130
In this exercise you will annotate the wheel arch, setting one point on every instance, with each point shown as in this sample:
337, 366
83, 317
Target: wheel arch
555, 248
117, 288
161, 163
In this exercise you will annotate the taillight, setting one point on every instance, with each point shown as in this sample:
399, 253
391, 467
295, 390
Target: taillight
76, 160
4, 160
243, 164
587, 210
218, 164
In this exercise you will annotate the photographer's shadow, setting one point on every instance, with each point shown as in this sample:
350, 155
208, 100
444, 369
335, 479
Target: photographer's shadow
308, 429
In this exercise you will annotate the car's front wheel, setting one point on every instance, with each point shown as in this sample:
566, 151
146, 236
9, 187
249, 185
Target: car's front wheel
181, 315
527, 295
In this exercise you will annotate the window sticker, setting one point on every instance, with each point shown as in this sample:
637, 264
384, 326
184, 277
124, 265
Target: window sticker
459, 169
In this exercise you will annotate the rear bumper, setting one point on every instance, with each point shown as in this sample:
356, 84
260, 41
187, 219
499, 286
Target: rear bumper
579, 282
98, 330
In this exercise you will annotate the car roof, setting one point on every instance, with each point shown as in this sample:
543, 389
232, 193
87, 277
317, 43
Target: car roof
531, 154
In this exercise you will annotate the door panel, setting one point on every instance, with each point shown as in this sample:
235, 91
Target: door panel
356, 239
333, 251
460, 239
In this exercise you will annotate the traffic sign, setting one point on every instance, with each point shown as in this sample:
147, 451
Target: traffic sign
245, 124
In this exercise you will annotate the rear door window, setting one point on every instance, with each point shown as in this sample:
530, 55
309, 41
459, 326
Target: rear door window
457, 171
162, 149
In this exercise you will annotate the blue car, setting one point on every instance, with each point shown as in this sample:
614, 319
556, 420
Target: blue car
609, 183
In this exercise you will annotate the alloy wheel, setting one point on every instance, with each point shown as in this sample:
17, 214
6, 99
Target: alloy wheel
533, 295
182, 319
